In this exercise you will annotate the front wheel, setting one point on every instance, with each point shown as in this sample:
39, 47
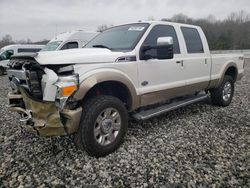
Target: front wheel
103, 125
223, 95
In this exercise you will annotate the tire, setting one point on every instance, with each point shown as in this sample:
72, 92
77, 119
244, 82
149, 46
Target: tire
98, 132
223, 95
1, 71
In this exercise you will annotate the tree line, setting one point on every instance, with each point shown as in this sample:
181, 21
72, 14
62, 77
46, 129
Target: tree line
7, 40
231, 33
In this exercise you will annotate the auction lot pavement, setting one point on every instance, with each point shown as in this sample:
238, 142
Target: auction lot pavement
197, 146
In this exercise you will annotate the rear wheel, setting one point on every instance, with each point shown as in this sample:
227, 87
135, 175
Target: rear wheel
103, 125
1, 71
223, 95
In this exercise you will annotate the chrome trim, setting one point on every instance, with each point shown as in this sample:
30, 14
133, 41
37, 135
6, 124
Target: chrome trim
26, 116
107, 126
61, 103
65, 69
227, 91
126, 58
15, 83
20, 74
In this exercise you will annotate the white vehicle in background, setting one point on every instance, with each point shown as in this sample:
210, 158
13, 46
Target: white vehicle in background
16, 49
69, 40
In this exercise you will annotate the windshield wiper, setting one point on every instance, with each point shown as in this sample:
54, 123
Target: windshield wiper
101, 46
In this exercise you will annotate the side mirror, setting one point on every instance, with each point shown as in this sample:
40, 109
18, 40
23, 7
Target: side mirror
163, 49
164, 41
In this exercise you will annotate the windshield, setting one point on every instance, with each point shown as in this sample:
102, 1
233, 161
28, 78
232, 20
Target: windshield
51, 46
123, 37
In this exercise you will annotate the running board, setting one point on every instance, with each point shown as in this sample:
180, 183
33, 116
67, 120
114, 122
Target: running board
143, 115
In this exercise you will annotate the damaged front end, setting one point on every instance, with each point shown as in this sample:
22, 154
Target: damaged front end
42, 96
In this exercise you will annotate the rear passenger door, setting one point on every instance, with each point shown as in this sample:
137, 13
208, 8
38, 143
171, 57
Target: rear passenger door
196, 62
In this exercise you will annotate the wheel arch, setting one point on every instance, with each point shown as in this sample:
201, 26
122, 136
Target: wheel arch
230, 69
113, 80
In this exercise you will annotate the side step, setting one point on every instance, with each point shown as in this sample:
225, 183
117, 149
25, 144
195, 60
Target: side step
143, 115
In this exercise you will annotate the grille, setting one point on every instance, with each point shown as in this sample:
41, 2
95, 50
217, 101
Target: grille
29, 73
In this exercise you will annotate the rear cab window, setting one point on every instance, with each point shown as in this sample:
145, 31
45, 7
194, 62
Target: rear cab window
193, 40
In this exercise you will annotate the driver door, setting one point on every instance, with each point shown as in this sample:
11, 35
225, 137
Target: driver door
161, 79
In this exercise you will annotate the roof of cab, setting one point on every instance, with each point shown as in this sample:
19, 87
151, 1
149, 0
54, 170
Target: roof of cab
164, 23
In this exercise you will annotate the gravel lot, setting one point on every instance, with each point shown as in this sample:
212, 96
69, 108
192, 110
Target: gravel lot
196, 146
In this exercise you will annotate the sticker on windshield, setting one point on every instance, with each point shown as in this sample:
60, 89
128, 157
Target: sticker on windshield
136, 28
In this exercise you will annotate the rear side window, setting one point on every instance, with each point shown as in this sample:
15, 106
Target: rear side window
23, 50
192, 40
70, 45
161, 31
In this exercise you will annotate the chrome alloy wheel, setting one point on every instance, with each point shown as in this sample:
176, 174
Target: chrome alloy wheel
227, 91
107, 126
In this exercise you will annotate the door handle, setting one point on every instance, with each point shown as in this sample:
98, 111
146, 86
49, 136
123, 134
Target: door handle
144, 83
181, 62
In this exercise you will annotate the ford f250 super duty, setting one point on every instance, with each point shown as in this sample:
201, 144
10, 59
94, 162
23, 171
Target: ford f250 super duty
136, 71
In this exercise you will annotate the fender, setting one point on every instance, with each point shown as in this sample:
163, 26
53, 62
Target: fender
108, 75
217, 82
230, 64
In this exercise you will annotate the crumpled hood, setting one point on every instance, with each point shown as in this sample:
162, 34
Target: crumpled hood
77, 56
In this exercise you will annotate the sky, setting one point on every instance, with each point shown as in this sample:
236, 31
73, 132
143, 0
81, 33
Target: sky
43, 19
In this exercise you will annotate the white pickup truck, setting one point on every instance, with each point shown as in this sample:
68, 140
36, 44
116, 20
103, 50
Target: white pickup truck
137, 71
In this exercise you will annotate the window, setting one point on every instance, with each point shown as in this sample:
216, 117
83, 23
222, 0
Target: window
51, 46
161, 31
6, 55
28, 50
119, 38
192, 40
70, 45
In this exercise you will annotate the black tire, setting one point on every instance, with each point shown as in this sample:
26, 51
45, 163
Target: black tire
85, 137
2, 71
217, 93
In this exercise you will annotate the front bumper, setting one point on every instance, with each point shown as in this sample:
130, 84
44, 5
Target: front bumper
46, 118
